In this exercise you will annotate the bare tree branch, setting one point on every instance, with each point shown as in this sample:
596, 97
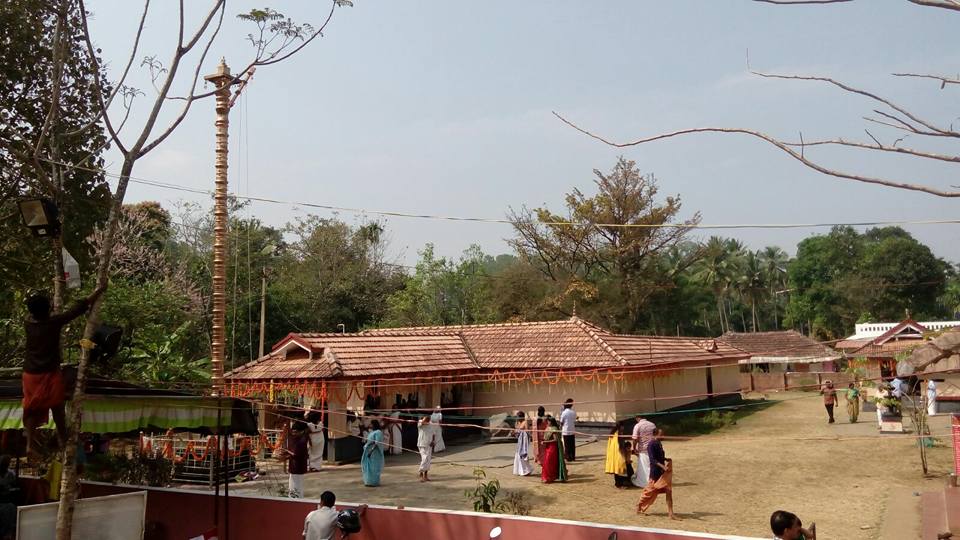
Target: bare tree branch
944, 81
775, 142
193, 85
864, 93
798, 2
123, 77
95, 69
943, 4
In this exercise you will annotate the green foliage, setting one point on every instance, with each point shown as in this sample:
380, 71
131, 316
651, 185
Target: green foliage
441, 292
138, 470
484, 495
840, 277
606, 270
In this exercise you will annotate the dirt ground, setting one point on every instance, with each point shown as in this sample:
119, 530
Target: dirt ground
785, 456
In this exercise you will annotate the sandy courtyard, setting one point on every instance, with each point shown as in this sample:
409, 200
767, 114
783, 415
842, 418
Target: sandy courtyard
854, 482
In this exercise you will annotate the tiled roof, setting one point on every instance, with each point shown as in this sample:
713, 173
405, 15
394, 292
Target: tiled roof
356, 355
905, 336
552, 345
850, 345
888, 349
784, 346
653, 350
570, 343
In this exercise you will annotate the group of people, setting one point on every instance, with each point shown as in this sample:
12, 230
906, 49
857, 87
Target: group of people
892, 392
551, 443
654, 471
830, 401
429, 441
304, 450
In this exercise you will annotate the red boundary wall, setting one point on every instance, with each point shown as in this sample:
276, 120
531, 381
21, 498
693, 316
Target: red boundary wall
177, 514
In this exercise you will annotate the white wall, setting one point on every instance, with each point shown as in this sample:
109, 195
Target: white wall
725, 379
680, 383
507, 398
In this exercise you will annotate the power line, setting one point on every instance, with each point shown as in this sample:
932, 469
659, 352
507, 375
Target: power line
501, 221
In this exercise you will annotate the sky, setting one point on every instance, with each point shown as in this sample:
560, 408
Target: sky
445, 108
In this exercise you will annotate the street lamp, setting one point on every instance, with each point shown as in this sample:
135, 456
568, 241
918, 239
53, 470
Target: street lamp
40, 216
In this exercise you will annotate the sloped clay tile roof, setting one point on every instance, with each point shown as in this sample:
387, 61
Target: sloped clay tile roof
652, 350
565, 344
356, 355
785, 344
888, 344
530, 345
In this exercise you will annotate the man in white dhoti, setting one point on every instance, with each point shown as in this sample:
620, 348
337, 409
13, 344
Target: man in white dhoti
642, 435
436, 420
425, 444
396, 436
931, 397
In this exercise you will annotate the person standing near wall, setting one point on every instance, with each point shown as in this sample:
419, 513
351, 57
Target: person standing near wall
317, 439
521, 463
426, 442
437, 420
298, 454
568, 427
642, 435
931, 397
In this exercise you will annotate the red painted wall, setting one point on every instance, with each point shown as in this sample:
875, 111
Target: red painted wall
181, 514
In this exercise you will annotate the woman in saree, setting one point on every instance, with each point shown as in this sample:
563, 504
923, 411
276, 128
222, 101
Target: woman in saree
853, 403
617, 462
539, 429
371, 463
553, 467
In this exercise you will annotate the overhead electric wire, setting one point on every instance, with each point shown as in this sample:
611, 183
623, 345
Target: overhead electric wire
502, 221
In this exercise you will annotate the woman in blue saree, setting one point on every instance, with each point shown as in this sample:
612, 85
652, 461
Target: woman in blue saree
371, 463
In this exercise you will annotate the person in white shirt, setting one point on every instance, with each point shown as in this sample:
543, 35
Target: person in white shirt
897, 385
568, 426
321, 524
642, 435
931, 397
426, 440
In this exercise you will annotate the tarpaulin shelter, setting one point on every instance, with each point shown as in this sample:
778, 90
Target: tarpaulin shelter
117, 407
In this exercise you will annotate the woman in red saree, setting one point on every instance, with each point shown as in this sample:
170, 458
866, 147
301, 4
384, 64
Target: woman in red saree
552, 466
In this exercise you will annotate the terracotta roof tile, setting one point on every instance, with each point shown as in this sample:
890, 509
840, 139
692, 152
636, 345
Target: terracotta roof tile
565, 344
784, 344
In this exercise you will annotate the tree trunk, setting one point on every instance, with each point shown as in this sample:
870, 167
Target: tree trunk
753, 309
68, 483
720, 313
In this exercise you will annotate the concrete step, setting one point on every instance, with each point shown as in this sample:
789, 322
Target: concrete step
941, 513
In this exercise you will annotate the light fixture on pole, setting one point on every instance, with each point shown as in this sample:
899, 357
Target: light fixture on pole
40, 215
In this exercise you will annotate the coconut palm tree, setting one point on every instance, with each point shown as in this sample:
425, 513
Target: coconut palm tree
753, 285
774, 262
718, 270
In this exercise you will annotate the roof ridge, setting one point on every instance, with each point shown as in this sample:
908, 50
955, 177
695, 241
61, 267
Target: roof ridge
589, 329
460, 327
469, 349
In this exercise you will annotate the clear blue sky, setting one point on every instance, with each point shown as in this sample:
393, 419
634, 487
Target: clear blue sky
443, 107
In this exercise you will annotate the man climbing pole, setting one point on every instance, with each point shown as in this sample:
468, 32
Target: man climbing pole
43, 388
